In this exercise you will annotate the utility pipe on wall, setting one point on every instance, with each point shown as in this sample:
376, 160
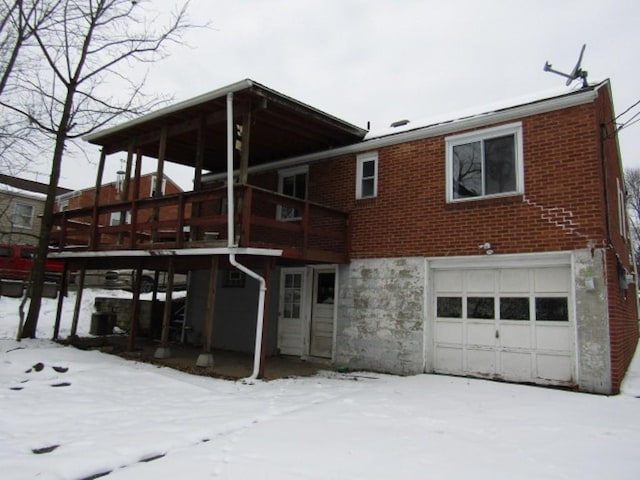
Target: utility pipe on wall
232, 245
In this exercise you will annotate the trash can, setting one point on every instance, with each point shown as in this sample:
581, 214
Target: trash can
102, 323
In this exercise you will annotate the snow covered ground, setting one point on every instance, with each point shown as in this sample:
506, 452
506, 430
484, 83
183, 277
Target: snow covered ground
70, 414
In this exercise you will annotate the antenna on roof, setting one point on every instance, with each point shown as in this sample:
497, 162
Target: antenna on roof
576, 73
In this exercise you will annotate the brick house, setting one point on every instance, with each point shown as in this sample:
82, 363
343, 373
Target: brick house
21, 207
114, 192
493, 245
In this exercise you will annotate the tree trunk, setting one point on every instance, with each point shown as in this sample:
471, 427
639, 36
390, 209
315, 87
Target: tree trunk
36, 286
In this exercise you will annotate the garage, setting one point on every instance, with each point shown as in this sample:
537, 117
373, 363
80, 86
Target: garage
513, 323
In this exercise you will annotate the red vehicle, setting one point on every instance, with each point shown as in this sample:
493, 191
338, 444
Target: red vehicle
16, 262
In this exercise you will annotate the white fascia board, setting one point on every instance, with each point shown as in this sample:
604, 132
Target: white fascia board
265, 252
192, 102
510, 260
445, 128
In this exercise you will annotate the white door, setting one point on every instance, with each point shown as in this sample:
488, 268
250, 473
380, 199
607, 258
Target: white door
322, 313
511, 323
291, 312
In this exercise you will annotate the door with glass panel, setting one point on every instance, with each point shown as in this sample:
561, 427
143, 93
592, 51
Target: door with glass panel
291, 309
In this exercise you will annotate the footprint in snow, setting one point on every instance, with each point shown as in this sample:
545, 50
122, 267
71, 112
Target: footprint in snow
38, 367
61, 384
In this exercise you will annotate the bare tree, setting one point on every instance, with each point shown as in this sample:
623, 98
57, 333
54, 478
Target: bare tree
632, 186
18, 19
85, 50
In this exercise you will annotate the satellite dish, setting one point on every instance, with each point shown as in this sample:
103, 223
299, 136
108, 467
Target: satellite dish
576, 73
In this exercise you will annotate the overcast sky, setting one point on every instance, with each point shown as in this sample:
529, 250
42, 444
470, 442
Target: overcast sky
379, 61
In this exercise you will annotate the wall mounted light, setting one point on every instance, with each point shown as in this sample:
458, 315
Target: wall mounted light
486, 247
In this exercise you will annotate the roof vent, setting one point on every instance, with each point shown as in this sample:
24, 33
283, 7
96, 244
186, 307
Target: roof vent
399, 123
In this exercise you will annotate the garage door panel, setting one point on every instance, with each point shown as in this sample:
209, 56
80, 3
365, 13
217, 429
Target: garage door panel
481, 334
481, 361
515, 336
516, 366
554, 367
515, 280
553, 337
449, 360
449, 332
480, 281
551, 280
448, 281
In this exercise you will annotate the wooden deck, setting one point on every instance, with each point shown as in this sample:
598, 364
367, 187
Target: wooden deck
264, 219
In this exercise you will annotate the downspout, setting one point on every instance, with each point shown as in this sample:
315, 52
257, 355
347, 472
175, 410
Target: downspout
231, 242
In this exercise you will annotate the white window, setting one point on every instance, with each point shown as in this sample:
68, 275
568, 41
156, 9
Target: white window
154, 184
114, 219
367, 175
23, 214
622, 213
292, 182
486, 163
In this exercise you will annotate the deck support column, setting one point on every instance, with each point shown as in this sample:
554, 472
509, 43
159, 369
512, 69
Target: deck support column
195, 233
205, 359
163, 351
135, 310
63, 292
157, 193
94, 232
124, 194
76, 308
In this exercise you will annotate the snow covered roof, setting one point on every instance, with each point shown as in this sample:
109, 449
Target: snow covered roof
533, 100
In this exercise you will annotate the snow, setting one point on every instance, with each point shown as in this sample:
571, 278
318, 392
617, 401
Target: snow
474, 111
107, 414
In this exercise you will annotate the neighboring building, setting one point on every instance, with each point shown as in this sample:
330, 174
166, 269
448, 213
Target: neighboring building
493, 245
112, 193
21, 207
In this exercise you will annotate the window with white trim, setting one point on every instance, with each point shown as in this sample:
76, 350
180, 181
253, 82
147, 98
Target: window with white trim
292, 182
154, 184
23, 214
622, 210
485, 163
114, 218
367, 175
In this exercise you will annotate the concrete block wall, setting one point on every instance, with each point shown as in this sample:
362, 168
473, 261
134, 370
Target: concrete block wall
380, 322
592, 321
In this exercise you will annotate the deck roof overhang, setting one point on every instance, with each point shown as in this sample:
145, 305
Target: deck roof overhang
281, 127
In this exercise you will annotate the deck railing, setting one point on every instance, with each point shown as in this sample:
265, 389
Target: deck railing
302, 229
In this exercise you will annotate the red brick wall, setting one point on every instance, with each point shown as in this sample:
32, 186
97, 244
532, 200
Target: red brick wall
623, 323
410, 215
109, 194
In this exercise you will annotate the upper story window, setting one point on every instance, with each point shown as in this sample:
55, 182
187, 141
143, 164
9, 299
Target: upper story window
622, 210
485, 163
23, 214
154, 185
367, 175
115, 218
292, 182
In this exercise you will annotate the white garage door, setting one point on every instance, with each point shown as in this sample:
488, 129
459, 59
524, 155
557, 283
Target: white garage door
510, 323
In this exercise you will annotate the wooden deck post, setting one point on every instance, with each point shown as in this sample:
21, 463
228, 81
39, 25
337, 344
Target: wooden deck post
125, 189
135, 195
162, 150
76, 308
61, 295
195, 233
205, 359
163, 351
93, 241
135, 310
